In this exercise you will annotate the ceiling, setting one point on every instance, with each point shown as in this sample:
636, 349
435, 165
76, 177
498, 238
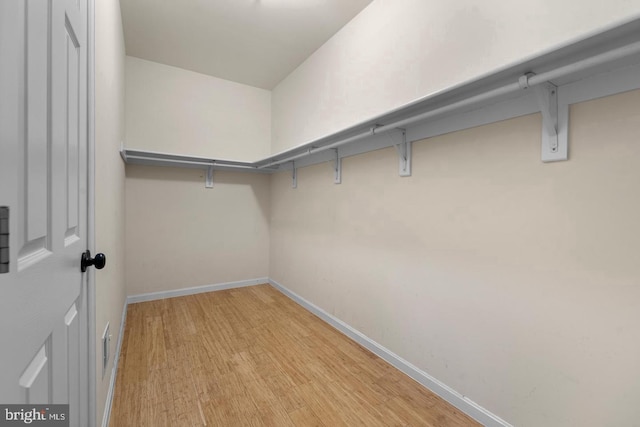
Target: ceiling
255, 42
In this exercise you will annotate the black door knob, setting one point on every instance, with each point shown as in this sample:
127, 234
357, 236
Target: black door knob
98, 262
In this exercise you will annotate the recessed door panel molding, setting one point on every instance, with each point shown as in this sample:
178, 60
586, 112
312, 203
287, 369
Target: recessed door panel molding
67, 343
72, 323
72, 134
38, 134
35, 224
35, 380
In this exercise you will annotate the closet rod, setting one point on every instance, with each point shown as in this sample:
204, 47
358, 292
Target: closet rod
584, 64
311, 150
536, 79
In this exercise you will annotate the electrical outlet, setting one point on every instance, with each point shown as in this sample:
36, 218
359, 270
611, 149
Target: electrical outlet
106, 346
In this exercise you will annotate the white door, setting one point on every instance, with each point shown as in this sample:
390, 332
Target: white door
43, 182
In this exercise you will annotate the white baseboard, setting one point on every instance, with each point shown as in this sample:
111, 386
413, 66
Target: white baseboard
195, 290
114, 370
461, 402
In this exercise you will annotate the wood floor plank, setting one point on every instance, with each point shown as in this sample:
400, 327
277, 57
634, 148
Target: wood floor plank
288, 394
322, 404
305, 417
252, 357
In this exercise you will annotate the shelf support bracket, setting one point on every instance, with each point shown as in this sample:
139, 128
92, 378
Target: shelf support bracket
208, 183
294, 175
554, 146
337, 168
404, 154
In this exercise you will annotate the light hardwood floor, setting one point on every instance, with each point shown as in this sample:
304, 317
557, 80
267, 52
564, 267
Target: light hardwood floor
251, 356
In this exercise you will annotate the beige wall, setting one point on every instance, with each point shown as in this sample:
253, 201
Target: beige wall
512, 281
178, 111
180, 234
109, 187
396, 51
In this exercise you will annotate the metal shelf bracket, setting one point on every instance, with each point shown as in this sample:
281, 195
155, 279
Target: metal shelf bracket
294, 175
208, 183
404, 154
554, 147
337, 168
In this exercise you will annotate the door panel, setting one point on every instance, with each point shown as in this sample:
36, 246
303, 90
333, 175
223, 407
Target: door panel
73, 351
34, 242
72, 96
43, 181
35, 378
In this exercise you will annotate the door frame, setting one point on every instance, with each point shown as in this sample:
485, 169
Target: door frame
91, 225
